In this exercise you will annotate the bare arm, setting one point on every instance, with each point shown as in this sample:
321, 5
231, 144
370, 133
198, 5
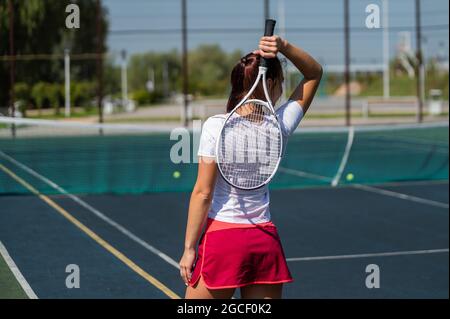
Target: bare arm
311, 70
306, 64
201, 198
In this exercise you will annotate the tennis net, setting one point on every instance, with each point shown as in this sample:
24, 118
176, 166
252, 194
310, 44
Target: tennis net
114, 158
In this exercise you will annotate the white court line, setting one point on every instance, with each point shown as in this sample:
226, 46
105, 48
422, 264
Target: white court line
95, 211
386, 254
348, 147
401, 196
16, 272
371, 189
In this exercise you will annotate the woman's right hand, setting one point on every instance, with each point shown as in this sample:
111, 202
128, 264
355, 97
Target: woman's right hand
186, 263
269, 46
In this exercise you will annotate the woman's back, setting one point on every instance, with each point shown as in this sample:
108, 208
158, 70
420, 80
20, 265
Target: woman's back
233, 205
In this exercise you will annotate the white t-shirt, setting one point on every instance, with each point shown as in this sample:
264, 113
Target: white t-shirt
233, 205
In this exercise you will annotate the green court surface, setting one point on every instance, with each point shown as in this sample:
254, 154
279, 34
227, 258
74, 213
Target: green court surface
9, 287
114, 159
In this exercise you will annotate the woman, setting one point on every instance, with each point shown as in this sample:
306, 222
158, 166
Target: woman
240, 246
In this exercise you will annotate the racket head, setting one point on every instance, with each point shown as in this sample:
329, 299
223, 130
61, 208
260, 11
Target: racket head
249, 146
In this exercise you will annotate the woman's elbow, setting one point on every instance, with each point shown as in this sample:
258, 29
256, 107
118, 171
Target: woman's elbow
315, 73
319, 71
203, 193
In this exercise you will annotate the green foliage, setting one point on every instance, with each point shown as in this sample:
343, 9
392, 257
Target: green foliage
22, 91
139, 67
436, 79
143, 97
23, 96
38, 94
83, 93
45, 94
332, 84
39, 28
112, 79
53, 93
209, 72
85, 39
400, 83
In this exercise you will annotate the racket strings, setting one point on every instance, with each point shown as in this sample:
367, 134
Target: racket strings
249, 146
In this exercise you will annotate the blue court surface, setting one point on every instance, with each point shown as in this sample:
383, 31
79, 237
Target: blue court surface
128, 246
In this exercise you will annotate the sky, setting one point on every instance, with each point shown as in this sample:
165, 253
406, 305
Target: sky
153, 25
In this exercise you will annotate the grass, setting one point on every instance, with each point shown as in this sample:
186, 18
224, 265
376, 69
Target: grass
78, 113
9, 287
400, 85
405, 86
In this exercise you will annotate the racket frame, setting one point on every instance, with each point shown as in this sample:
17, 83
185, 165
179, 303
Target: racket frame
261, 75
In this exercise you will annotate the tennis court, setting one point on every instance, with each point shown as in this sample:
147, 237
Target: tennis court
109, 200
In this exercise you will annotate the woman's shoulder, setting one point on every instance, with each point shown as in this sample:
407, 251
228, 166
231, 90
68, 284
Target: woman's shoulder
217, 118
214, 123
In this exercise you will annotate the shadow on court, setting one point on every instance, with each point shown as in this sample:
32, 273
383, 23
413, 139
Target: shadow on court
330, 235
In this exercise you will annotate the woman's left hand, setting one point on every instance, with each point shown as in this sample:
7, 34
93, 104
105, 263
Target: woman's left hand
186, 263
270, 46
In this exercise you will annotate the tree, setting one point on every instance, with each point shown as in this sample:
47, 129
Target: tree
22, 94
140, 65
39, 95
209, 70
54, 93
39, 28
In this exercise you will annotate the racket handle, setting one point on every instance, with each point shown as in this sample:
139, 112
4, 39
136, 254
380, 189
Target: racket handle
270, 26
268, 31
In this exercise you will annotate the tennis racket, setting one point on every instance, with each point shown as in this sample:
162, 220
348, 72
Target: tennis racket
250, 144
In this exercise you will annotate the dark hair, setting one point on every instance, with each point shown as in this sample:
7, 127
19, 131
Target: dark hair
244, 75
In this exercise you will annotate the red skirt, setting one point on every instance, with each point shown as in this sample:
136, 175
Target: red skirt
236, 255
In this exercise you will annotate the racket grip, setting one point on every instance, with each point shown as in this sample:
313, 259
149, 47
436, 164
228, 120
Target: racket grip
268, 31
270, 27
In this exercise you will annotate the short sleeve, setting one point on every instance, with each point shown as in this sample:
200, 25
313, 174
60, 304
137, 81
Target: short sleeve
290, 114
210, 132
